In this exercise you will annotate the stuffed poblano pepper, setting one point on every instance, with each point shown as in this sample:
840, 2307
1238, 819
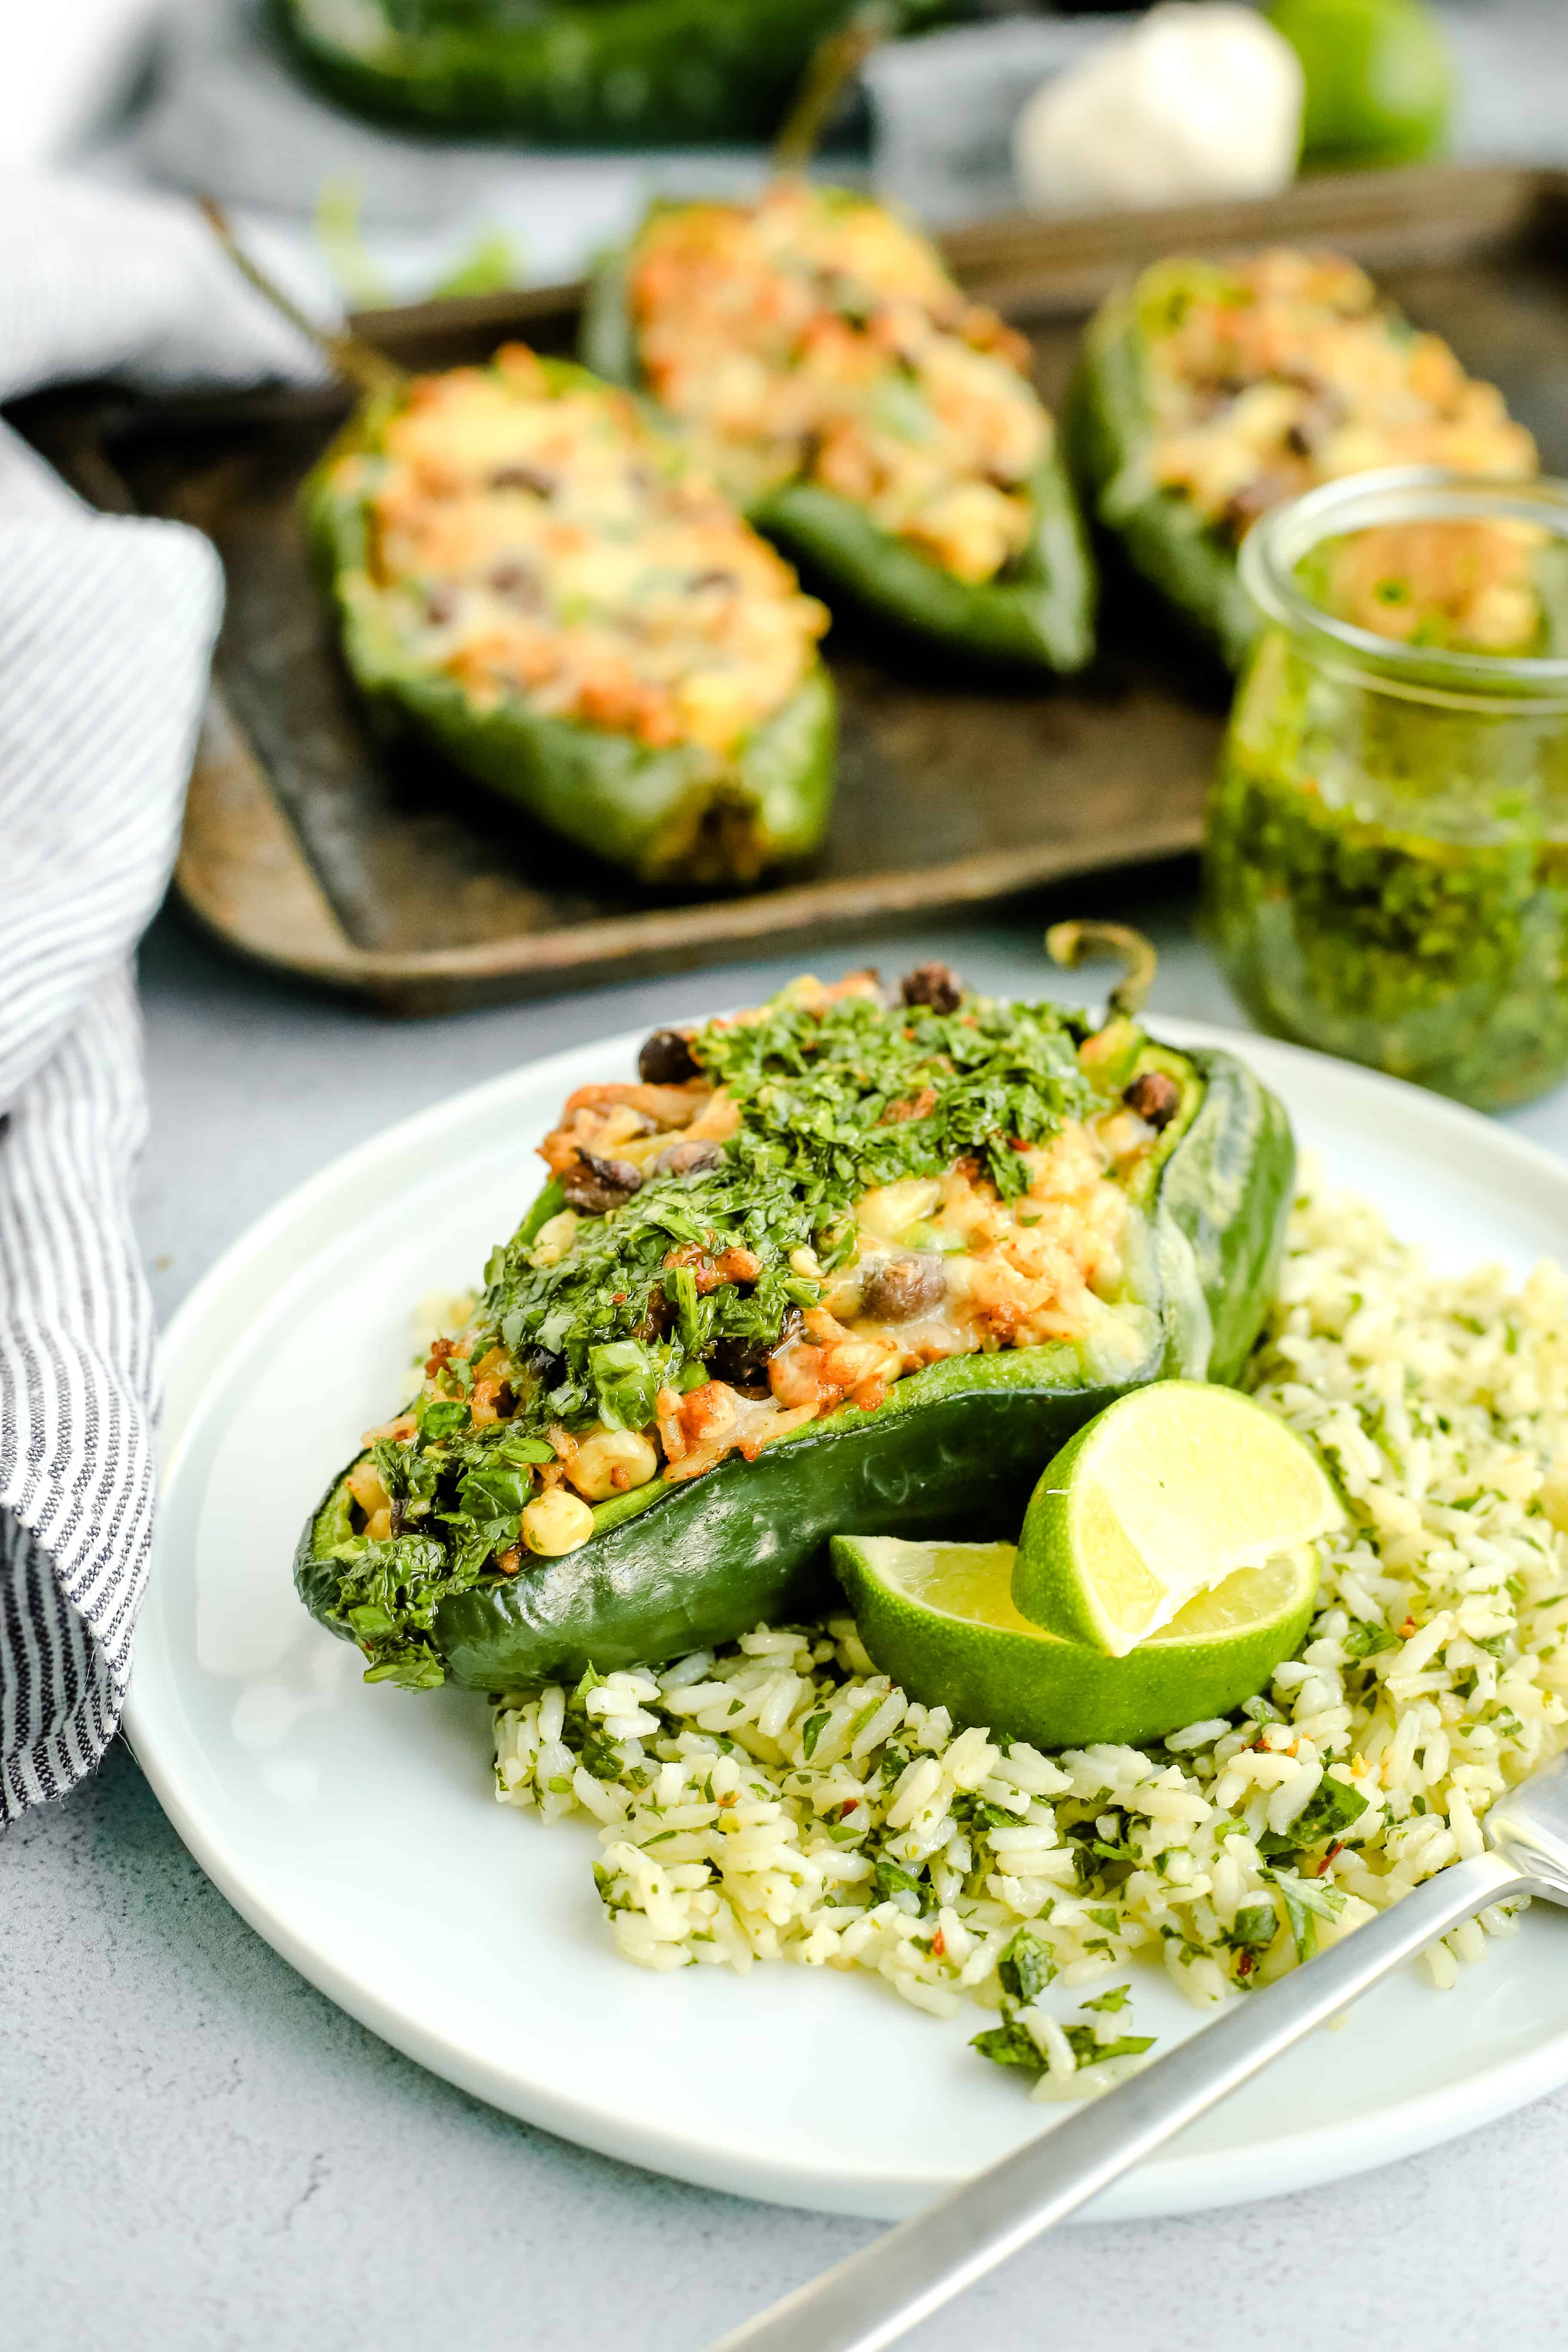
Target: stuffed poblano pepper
601, 72
530, 577
1206, 395
812, 348
837, 1265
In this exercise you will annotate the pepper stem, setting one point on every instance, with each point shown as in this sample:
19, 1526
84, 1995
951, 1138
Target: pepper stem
352, 356
835, 62
1069, 944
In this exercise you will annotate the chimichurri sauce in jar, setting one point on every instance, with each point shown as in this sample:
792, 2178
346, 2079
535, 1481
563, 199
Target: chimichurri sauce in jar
1387, 858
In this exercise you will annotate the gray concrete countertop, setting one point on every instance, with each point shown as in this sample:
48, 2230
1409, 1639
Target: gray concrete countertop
199, 2151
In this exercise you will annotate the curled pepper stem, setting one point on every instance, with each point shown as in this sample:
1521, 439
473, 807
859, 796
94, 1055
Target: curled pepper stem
359, 362
1071, 944
835, 62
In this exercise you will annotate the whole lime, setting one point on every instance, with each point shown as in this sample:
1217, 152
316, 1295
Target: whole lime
1378, 76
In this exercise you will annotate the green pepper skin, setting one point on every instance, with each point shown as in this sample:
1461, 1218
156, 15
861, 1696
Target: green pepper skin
1108, 430
953, 1449
1227, 1190
959, 1445
676, 816
1038, 614
601, 72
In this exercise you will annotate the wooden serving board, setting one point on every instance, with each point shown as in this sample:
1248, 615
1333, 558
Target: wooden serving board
309, 847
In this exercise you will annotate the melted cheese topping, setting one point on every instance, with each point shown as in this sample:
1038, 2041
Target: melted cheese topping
546, 543
813, 336
1048, 1265
1286, 371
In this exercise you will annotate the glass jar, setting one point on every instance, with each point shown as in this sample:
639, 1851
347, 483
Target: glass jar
1386, 851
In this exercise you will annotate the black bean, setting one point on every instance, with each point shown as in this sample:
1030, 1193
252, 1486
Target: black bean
524, 477
896, 1289
1154, 1098
544, 1367
597, 1185
744, 1364
667, 1058
661, 1319
1256, 498
520, 585
687, 1157
935, 984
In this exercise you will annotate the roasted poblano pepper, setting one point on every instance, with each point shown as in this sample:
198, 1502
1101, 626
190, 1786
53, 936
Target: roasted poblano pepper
836, 1267
601, 72
1208, 393
528, 576
897, 450
1107, 431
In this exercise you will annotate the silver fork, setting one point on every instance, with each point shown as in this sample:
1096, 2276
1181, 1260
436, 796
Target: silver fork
900, 2279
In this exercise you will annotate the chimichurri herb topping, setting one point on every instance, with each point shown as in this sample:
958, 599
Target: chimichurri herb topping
834, 1099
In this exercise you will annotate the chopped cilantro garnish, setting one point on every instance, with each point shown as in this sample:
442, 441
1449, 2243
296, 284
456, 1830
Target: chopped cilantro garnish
1027, 1966
1333, 1807
890, 1879
1091, 2053
811, 1731
1306, 1901
1366, 1640
1255, 1928
1010, 2045
834, 1099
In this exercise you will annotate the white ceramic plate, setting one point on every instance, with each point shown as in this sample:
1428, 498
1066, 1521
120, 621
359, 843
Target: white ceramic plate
356, 1829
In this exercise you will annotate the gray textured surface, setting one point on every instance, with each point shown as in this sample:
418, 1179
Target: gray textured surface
199, 2151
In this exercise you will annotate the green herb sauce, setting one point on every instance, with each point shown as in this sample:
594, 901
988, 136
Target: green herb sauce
592, 1338
1388, 880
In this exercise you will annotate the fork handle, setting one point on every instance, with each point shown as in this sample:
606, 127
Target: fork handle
909, 2272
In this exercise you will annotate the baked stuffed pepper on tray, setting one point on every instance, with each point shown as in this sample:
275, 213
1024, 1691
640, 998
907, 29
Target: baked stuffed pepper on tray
1208, 393
532, 578
814, 351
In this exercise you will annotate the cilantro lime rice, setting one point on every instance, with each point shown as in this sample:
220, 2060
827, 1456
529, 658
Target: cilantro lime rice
780, 1800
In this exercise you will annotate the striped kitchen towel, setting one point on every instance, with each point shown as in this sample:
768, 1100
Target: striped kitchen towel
105, 629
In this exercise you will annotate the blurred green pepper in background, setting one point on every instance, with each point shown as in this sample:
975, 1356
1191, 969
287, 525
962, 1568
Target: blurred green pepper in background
1038, 613
671, 816
587, 72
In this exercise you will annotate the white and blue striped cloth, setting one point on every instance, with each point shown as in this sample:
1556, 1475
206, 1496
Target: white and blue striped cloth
105, 629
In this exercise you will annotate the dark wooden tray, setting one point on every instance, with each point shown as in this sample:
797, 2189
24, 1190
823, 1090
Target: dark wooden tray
307, 847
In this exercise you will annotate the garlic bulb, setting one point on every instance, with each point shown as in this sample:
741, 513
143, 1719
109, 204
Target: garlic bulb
1197, 101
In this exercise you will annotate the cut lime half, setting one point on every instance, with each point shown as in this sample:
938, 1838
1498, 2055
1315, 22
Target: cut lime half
1161, 1497
941, 1619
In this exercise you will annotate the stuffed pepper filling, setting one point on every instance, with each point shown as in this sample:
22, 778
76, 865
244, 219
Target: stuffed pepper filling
1272, 375
532, 538
813, 337
787, 1212
1464, 585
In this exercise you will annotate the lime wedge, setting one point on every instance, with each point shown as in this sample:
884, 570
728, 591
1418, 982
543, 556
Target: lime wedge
1161, 1497
1379, 79
939, 1619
